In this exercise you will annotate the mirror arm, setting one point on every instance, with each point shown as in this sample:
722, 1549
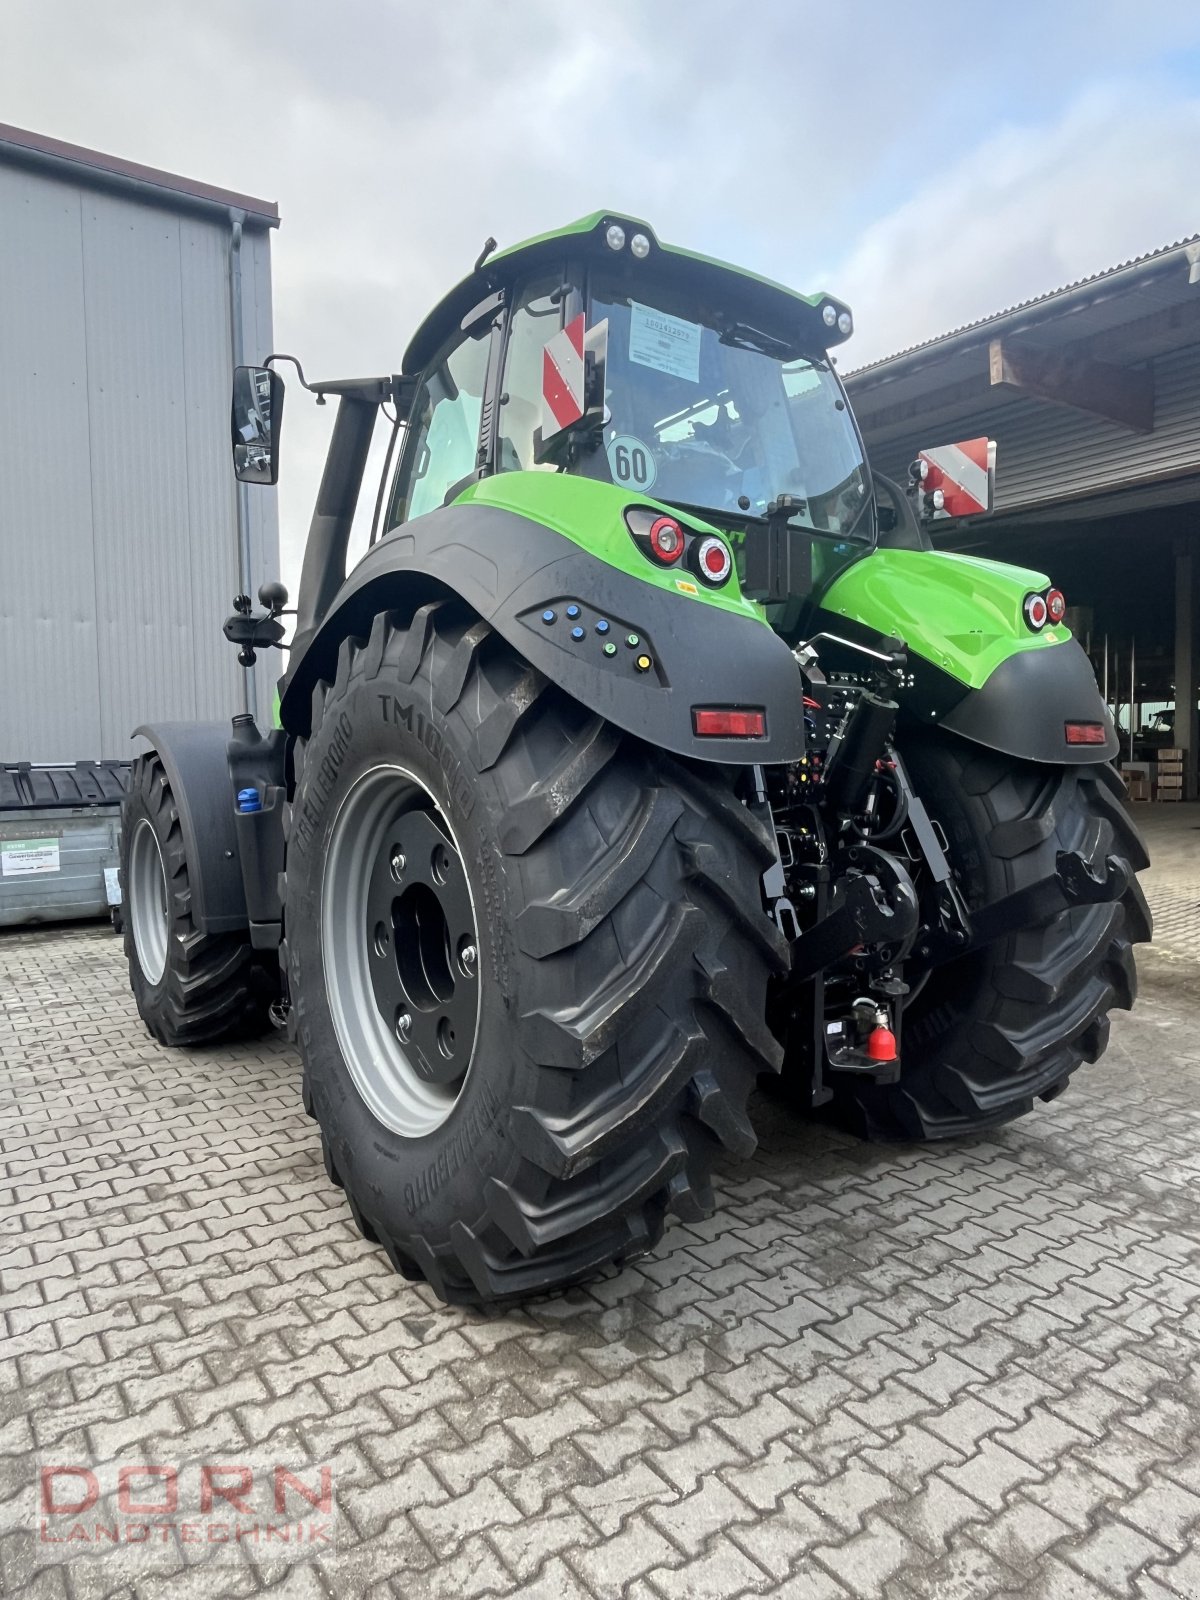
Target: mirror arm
295, 360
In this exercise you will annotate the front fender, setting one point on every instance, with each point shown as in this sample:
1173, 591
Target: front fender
195, 758
976, 668
511, 570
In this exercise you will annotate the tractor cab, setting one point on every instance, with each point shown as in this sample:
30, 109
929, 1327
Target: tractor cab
601, 353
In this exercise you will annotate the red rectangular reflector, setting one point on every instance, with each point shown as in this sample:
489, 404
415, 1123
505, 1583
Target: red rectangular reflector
1086, 732
715, 723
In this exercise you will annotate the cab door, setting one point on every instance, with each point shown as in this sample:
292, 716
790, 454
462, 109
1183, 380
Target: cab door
442, 447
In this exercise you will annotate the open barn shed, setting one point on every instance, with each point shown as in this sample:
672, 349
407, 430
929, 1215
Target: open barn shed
1092, 393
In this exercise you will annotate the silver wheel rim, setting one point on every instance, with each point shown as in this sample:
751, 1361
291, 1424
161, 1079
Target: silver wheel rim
375, 985
147, 892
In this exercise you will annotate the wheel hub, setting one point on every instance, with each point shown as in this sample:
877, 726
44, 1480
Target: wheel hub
420, 937
400, 950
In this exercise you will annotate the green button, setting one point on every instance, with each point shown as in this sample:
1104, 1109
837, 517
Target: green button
610, 649
632, 640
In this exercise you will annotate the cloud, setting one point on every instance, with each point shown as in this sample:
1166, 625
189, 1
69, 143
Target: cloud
1029, 209
396, 135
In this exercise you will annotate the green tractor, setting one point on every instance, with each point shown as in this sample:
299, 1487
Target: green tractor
651, 747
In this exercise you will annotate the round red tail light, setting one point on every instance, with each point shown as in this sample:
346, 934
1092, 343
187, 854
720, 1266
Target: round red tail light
713, 561
666, 540
1056, 604
1036, 612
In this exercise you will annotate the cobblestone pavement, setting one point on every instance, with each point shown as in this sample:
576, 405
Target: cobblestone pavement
1172, 884
950, 1372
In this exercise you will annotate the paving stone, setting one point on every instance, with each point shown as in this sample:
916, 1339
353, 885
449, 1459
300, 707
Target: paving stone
445, 1526
847, 1498
615, 1498
774, 1474
932, 1517
1021, 1534
1164, 1510
1114, 1554
529, 1545
639, 1548
955, 1371
721, 1571
691, 1521
783, 1539
865, 1563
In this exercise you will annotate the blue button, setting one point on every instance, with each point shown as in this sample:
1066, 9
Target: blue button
572, 611
548, 617
602, 627
578, 633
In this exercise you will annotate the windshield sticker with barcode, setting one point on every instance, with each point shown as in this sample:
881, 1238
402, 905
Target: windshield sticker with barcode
668, 344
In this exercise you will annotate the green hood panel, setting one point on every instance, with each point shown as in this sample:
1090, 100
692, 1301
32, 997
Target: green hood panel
963, 614
591, 515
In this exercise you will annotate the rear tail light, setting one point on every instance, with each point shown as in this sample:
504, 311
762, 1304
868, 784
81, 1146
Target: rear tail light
1086, 732
716, 722
713, 561
1036, 611
1056, 604
666, 540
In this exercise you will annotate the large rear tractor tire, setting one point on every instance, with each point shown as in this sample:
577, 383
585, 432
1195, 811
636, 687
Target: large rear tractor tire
191, 988
528, 964
1007, 1025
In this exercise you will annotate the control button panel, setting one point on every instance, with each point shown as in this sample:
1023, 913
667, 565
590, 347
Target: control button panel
610, 643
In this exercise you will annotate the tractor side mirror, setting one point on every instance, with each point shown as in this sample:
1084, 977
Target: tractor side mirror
955, 480
255, 420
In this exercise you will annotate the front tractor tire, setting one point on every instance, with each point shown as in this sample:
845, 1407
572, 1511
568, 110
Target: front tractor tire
528, 964
191, 988
998, 1029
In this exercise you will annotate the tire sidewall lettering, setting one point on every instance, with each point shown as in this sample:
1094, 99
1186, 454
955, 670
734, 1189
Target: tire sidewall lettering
371, 724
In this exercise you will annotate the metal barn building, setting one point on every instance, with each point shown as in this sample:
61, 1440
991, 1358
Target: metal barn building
127, 295
1092, 393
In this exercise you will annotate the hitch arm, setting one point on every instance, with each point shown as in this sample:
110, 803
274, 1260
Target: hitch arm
1073, 883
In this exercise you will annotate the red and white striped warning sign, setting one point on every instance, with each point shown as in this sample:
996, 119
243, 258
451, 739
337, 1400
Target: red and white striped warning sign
562, 378
961, 472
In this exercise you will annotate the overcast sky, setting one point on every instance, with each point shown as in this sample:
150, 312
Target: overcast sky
927, 162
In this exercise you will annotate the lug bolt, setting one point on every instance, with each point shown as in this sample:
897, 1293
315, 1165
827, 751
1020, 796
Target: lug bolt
397, 864
467, 956
403, 1026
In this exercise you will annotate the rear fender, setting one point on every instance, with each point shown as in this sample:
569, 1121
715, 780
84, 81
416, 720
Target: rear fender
512, 570
976, 668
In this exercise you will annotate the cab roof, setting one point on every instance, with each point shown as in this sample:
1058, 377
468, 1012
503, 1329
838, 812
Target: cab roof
748, 293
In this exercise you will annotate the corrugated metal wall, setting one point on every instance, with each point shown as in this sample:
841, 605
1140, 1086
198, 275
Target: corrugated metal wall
118, 516
1050, 452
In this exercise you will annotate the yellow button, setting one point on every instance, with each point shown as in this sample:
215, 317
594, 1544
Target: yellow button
643, 663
